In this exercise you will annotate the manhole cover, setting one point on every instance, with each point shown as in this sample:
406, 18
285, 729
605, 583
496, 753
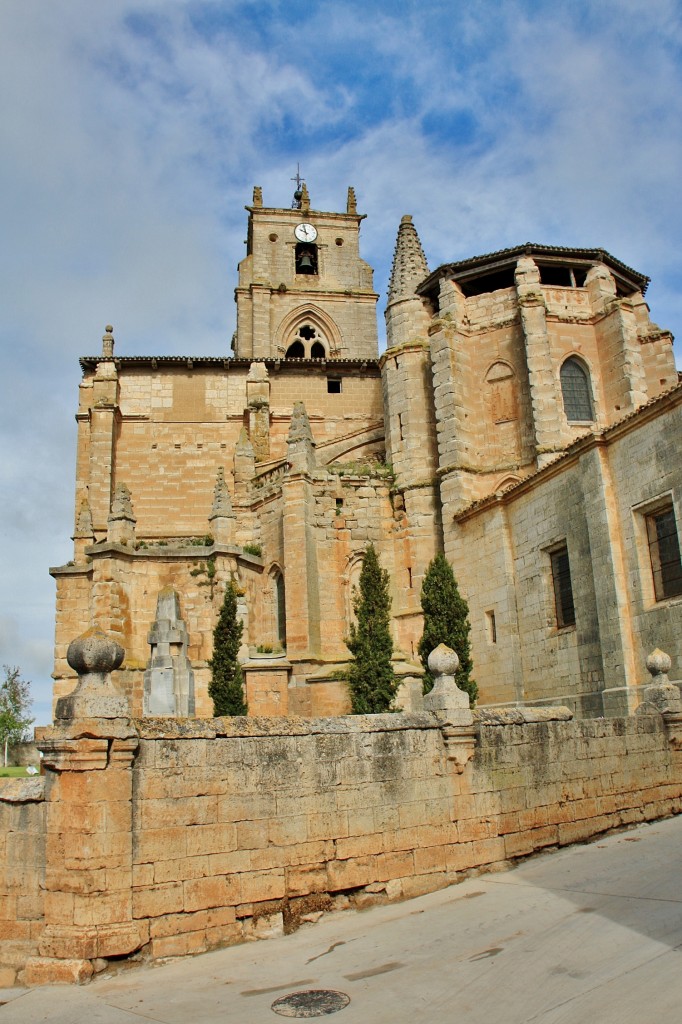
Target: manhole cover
316, 1002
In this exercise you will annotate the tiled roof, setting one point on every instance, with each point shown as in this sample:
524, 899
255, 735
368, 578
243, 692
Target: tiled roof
464, 267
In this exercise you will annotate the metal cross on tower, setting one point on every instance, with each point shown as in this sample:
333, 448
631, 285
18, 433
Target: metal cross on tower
298, 194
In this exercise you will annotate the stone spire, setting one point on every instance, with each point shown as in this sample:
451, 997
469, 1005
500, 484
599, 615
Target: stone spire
409, 262
305, 198
299, 429
108, 342
300, 444
257, 196
84, 520
222, 503
84, 534
222, 518
121, 522
351, 204
244, 468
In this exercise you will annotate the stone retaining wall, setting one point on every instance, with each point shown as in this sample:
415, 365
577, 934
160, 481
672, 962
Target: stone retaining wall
22, 872
245, 832
242, 827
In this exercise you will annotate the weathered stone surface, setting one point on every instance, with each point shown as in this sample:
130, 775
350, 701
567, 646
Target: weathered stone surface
520, 716
230, 818
94, 655
169, 678
21, 791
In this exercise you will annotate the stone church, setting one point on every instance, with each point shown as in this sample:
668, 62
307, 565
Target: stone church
525, 418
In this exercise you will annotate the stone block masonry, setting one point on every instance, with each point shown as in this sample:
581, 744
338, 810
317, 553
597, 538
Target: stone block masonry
238, 826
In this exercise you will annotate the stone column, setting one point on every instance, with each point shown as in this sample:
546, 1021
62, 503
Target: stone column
300, 554
258, 404
624, 383
611, 590
545, 394
87, 755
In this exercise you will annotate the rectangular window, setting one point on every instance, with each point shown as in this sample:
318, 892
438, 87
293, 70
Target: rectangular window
563, 591
664, 549
492, 628
333, 385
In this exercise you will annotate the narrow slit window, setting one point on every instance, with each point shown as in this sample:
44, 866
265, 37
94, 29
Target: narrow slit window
280, 609
664, 549
563, 589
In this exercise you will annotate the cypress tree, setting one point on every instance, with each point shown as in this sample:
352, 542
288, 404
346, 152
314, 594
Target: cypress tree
371, 679
446, 621
226, 688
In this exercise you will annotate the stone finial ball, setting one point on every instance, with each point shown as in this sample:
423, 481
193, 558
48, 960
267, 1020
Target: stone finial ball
109, 328
94, 651
443, 661
658, 663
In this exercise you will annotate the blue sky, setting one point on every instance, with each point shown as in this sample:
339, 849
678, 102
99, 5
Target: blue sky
132, 133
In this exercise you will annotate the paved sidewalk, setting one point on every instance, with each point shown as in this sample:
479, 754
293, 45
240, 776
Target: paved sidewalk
591, 933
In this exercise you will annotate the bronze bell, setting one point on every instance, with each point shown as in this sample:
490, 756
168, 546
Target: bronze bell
305, 264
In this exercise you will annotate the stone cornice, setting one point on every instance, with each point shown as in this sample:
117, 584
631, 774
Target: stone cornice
228, 363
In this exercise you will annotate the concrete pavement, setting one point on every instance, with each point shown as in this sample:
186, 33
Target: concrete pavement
590, 933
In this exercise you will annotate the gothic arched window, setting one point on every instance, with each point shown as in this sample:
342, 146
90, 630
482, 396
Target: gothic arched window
307, 342
576, 391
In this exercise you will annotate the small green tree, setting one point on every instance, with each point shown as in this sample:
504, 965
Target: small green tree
446, 621
371, 679
15, 704
226, 688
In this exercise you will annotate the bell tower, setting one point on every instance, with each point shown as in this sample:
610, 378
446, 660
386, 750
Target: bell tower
304, 292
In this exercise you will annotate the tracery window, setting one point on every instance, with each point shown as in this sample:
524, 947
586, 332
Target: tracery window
307, 342
576, 391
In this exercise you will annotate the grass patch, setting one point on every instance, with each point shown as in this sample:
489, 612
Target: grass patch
13, 773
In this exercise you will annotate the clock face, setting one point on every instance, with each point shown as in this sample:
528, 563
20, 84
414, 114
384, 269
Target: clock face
305, 232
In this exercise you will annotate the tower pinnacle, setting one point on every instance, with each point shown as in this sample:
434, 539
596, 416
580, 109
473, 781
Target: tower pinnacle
409, 262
